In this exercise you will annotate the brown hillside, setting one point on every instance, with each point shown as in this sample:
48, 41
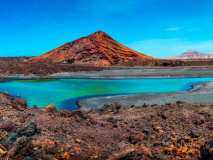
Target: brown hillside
96, 49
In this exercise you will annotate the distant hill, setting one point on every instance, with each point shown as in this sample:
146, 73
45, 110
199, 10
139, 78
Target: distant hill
96, 49
192, 54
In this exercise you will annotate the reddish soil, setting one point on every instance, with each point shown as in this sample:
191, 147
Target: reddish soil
18, 65
170, 131
97, 49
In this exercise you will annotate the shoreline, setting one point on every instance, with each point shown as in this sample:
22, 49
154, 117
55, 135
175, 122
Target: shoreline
199, 93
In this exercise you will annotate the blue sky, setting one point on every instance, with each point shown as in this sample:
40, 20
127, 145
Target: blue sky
159, 28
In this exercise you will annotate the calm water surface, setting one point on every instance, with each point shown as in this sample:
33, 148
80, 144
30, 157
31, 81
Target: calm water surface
64, 92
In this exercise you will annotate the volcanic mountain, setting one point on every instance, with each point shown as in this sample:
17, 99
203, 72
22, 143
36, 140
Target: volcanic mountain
96, 49
192, 54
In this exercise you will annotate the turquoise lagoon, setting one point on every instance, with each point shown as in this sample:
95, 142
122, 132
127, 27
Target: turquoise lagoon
65, 92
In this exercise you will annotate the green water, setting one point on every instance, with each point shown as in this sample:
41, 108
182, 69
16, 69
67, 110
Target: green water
64, 92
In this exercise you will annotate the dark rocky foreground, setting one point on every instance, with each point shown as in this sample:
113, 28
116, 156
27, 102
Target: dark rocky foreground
170, 131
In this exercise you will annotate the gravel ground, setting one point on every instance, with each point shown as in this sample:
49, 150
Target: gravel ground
124, 73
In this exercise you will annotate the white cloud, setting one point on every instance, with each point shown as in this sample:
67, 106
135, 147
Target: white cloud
173, 29
161, 48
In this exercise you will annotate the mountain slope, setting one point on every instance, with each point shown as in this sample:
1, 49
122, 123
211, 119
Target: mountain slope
96, 49
192, 54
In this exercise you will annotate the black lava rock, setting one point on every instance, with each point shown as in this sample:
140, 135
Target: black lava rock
29, 130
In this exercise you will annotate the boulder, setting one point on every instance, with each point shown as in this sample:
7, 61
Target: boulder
114, 107
8, 126
105, 109
6, 93
4, 99
19, 104
65, 113
80, 114
35, 107
195, 133
29, 130
50, 108
22, 147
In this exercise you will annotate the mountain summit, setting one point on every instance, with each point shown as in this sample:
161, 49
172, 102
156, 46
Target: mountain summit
96, 49
192, 54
